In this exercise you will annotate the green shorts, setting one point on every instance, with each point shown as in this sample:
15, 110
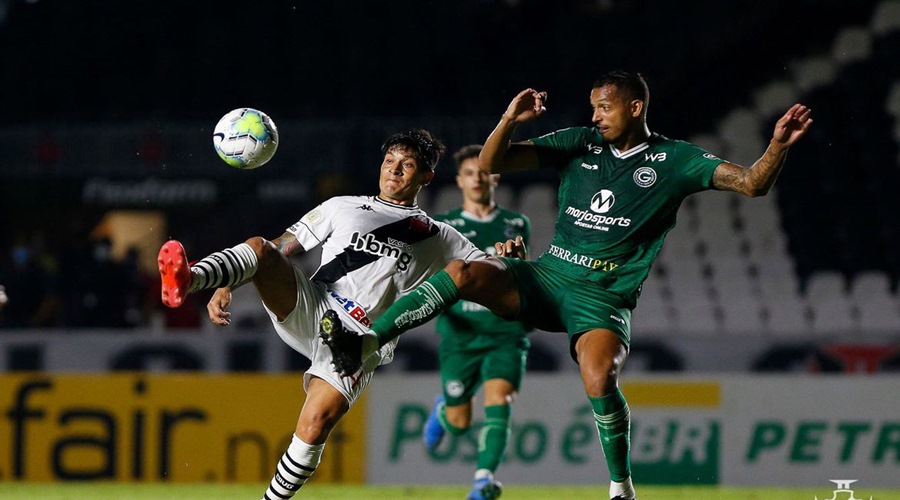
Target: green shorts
555, 302
464, 369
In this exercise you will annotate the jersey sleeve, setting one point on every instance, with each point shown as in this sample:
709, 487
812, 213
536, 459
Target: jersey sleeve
697, 166
315, 227
457, 246
553, 148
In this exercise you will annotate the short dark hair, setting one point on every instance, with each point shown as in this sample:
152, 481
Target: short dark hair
466, 152
426, 149
631, 84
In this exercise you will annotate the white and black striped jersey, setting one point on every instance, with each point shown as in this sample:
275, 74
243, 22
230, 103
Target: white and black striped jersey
374, 251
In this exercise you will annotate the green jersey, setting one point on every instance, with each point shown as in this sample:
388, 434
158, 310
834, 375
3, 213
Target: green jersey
464, 320
616, 208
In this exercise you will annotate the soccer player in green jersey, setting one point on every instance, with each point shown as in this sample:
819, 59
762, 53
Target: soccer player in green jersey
620, 188
477, 346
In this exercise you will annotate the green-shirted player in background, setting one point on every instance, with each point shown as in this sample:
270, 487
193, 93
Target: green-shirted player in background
477, 346
620, 188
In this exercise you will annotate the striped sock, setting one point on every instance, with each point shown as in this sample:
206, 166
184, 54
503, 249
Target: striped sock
613, 420
297, 464
226, 268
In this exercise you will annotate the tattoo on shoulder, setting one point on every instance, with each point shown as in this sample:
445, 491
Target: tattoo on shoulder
287, 244
727, 177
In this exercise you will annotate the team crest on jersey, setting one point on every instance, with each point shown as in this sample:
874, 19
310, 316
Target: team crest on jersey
313, 216
454, 388
644, 177
419, 225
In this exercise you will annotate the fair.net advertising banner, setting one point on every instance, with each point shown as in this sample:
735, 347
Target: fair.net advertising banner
786, 431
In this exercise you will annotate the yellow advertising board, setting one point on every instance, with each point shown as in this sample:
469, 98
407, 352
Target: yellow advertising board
162, 427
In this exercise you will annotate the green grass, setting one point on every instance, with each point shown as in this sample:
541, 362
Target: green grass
110, 491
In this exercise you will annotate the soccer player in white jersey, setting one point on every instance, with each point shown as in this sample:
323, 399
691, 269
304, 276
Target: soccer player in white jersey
374, 249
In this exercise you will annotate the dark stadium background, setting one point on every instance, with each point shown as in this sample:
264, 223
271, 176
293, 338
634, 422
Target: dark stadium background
103, 103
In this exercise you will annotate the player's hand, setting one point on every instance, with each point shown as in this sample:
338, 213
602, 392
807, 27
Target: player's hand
793, 125
217, 306
511, 248
528, 104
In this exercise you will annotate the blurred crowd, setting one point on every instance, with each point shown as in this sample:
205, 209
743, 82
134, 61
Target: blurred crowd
82, 287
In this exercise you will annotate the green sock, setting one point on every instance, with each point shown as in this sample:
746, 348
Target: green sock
416, 308
613, 426
493, 437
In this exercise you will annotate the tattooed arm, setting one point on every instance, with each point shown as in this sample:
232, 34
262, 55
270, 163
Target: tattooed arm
759, 178
288, 245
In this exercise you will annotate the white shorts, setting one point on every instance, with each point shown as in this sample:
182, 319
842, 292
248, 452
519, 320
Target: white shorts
300, 330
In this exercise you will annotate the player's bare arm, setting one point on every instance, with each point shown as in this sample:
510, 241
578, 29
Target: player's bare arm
498, 154
759, 178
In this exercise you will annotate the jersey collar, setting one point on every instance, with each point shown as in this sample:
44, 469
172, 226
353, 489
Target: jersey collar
628, 154
377, 199
489, 218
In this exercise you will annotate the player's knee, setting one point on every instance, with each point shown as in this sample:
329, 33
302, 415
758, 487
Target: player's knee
460, 272
458, 424
472, 277
259, 245
600, 376
267, 253
317, 426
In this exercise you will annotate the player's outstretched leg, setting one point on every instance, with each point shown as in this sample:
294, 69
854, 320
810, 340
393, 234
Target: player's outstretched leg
433, 432
485, 488
346, 346
175, 272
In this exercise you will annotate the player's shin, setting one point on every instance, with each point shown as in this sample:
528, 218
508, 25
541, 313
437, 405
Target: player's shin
494, 437
417, 307
297, 464
613, 420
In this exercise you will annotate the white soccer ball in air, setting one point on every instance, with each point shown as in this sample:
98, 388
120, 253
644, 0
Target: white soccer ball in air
245, 138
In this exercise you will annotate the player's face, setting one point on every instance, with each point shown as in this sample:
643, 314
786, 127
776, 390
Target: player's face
477, 185
401, 177
613, 115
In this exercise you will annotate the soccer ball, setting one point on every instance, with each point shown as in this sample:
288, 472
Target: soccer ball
245, 138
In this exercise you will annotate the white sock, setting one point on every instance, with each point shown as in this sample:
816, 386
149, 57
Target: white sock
480, 473
297, 464
624, 489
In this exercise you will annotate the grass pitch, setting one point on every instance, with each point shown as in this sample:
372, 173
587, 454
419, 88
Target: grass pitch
119, 491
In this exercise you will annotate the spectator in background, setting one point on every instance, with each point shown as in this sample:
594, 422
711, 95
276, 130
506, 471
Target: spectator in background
29, 275
95, 289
